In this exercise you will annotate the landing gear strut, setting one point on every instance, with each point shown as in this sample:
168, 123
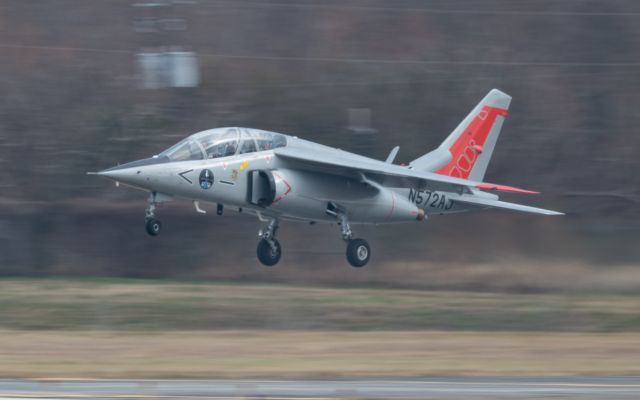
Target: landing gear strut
358, 250
269, 250
153, 225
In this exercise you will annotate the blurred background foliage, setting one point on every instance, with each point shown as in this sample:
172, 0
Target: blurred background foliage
72, 101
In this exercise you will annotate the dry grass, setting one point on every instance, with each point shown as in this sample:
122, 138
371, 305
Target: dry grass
137, 329
312, 354
150, 306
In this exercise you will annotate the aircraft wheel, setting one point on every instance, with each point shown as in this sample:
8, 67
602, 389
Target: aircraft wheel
153, 227
358, 252
266, 255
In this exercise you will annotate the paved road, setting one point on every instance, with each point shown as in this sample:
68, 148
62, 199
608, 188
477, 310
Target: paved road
440, 388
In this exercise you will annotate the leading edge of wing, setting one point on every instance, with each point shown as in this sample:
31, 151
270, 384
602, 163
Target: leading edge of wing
480, 201
360, 164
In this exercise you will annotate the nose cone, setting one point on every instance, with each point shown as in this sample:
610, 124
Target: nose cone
140, 163
120, 174
133, 172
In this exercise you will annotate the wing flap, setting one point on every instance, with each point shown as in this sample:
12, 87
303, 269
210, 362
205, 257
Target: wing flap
483, 202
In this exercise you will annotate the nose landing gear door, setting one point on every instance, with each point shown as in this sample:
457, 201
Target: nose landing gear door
261, 188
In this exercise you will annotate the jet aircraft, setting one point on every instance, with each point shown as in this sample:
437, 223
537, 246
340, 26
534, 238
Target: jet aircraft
278, 177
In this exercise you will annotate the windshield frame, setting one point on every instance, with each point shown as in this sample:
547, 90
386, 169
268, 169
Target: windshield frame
171, 151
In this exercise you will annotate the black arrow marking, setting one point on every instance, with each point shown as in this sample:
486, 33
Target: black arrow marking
184, 177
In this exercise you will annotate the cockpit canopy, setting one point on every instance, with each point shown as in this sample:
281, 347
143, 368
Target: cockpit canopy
223, 142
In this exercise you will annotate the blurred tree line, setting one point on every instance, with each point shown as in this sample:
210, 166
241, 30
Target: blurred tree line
71, 102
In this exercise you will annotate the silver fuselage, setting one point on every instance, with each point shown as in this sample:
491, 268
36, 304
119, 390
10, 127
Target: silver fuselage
300, 194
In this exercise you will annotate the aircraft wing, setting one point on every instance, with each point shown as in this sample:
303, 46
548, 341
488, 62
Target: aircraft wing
351, 165
359, 167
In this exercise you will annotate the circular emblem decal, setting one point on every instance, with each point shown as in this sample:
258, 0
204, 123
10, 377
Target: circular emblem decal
206, 179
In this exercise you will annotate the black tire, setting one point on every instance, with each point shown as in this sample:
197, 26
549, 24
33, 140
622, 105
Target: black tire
153, 227
358, 252
266, 255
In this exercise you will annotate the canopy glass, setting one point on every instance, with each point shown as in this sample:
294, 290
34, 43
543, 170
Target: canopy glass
223, 142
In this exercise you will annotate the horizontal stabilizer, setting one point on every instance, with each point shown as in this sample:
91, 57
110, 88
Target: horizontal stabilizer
483, 202
504, 188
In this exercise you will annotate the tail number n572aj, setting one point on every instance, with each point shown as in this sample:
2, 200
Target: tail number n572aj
427, 198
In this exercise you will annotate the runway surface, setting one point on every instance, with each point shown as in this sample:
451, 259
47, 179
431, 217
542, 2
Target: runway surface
436, 387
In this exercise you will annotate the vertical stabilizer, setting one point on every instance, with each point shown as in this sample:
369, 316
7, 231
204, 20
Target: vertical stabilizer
466, 152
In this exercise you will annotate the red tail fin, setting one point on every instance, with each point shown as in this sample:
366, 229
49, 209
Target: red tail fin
466, 152
468, 147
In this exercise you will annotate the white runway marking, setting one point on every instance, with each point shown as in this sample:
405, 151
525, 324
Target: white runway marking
440, 388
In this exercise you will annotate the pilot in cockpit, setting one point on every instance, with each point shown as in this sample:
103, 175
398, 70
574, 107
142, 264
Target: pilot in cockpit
230, 148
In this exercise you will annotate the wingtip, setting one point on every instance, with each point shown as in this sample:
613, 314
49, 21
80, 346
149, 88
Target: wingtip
554, 213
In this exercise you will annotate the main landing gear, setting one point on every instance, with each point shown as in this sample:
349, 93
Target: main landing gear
153, 225
358, 250
269, 250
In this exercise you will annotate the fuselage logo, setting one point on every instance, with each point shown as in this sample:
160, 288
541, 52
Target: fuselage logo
206, 179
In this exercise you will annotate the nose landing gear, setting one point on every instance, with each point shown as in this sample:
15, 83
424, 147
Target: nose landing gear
269, 250
153, 225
